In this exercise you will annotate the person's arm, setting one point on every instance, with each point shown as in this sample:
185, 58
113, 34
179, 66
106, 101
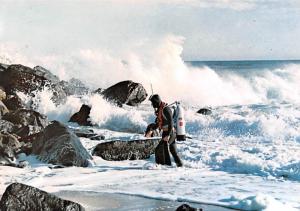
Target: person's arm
168, 114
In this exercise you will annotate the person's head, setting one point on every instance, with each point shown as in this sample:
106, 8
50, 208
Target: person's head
155, 100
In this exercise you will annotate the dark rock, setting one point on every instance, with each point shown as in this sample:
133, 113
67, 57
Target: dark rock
74, 87
3, 109
126, 150
22, 197
60, 146
2, 93
26, 80
125, 92
6, 126
9, 147
204, 111
88, 133
98, 91
186, 207
82, 116
13, 102
27, 121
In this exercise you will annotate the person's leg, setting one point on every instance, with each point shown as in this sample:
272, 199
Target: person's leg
173, 150
162, 155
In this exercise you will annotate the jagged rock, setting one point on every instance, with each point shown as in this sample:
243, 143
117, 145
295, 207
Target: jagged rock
13, 102
59, 145
125, 92
9, 147
2, 94
27, 121
88, 133
22, 197
3, 109
126, 150
6, 126
82, 117
98, 91
204, 111
186, 207
74, 87
26, 80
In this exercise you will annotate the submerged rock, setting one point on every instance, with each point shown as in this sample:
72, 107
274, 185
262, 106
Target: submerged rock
22, 197
126, 150
204, 111
125, 92
60, 146
82, 116
186, 207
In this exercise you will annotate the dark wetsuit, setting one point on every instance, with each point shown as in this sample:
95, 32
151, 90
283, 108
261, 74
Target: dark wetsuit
168, 130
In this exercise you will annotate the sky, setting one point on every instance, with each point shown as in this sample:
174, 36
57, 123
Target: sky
209, 29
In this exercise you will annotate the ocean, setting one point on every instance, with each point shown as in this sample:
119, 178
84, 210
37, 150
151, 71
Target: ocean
244, 155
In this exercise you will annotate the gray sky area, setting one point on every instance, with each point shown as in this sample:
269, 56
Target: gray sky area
212, 29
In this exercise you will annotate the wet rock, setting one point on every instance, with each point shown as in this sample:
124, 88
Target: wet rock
126, 150
204, 111
6, 126
19, 78
88, 133
22, 197
9, 147
27, 122
74, 87
125, 92
60, 146
3, 109
2, 94
82, 117
13, 102
186, 207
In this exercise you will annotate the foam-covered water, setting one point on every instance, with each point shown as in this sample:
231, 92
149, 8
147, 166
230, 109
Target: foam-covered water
253, 131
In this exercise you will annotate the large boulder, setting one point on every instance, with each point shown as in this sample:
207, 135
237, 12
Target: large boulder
3, 109
27, 122
125, 92
14, 102
6, 126
2, 93
74, 87
9, 147
82, 116
59, 145
19, 78
204, 111
186, 207
22, 197
126, 150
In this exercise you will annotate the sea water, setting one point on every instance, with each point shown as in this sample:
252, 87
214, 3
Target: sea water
244, 155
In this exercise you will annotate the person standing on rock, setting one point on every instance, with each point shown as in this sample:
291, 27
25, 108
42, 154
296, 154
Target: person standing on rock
164, 121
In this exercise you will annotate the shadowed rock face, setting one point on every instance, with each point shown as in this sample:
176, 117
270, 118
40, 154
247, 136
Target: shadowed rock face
126, 150
3, 109
125, 92
82, 116
58, 145
26, 80
23, 198
9, 147
27, 122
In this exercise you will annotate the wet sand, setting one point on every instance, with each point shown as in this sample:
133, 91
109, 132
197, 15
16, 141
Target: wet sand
92, 201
